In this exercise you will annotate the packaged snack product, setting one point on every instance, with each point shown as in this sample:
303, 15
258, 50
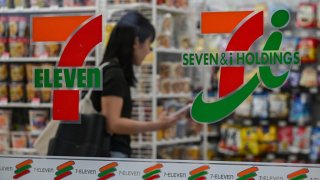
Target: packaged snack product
301, 140
3, 27
308, 50
45, 95
19, 139
260, 105
4, 93
315, 147
17, 72
170, 3
38, 120
182, 4
4, 142
16, 92
20, 3
18, 47
306, 15
289, 43
164, 70
29, 71
144, 87
249, 141
165, 86
3, 3
37, 3
33, 95
267, 136
176, 86
39, 50
294, 79
278, 105
300, 108
18, 26
185, 83
177, 70
3, 72
5, 118
192, 153
3, 48
309, 77
89, 2
285, 139
230, 139
52, 49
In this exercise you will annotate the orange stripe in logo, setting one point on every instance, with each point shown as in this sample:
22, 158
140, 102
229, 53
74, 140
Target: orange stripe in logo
55, 28
221, 22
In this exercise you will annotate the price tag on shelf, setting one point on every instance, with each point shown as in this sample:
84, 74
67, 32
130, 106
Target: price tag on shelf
295, 67
313, 90
276, 90
136, 169
4, 101
35, 101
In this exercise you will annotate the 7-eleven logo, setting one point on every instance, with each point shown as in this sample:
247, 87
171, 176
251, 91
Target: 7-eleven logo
247, 27
82, 34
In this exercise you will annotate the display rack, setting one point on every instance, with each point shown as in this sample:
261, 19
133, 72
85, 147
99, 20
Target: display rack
26, 107
151, 11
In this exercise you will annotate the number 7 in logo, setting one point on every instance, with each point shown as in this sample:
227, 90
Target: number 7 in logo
231, 91
82, 34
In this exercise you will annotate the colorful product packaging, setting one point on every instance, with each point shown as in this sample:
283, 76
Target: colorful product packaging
285, 138
5, 119
307, 15
19, 139
38, 120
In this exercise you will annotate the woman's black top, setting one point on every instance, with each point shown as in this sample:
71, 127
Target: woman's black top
115, 84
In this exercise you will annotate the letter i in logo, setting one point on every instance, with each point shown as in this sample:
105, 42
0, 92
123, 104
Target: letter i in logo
86, 34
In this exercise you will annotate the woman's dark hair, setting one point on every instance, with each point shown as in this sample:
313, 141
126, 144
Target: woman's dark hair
122, 39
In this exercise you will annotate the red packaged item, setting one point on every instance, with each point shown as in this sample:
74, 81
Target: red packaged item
308, 50
19, 140
301, 140
285, 139
3, 48
307, 15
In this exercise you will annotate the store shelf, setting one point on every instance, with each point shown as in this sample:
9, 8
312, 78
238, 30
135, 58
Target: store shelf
141, 144
129, 6
163, 8
192, 139
22, 150
213, 134
141, 96
35, 59
171, 50
49, 10
172, 9
25, 105
180, 95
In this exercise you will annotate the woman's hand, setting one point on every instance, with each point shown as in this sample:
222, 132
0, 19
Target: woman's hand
167, 121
